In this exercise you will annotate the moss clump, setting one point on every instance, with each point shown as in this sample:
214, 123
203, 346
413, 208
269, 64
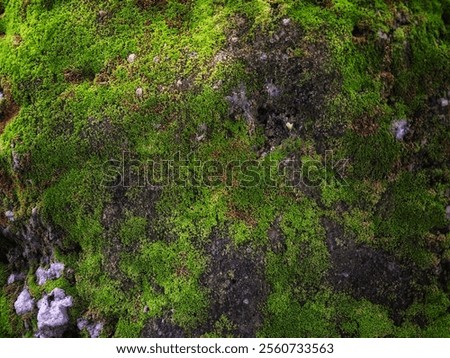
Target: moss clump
133, 230
5, 307
296, 275
408, 212
373, 156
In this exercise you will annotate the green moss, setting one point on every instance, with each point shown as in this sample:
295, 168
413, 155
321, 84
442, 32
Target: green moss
326, 314
289, 318
431, 313
133, 230
222, 328
373, 156
361, 318
410, 211
361, 224
169, 275
296, 275
5, 307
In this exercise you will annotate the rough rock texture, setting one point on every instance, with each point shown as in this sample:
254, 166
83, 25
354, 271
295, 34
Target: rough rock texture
24, 303
365, 272
9, 215
34, 243
93, 328
53, 318
400, 129
291, 89
162, 328
55, 271
15, 277
236, 283
131, 57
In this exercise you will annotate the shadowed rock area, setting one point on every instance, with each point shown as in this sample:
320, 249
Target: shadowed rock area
236, 285
365, 272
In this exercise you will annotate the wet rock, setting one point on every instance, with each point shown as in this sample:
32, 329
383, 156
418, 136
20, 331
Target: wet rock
400, 129
93, 328
53, 318
15, 277
24, 303
53, 272
131, 58
9, 215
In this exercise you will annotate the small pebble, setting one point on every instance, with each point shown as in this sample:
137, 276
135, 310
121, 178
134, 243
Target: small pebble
383, 36
9, 215
400, 129
131, 58
443, 102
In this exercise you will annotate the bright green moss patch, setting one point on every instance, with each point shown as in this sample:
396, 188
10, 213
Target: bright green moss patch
169, 274
296, 275
326, 315
133, 230
362, 318
407, 213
